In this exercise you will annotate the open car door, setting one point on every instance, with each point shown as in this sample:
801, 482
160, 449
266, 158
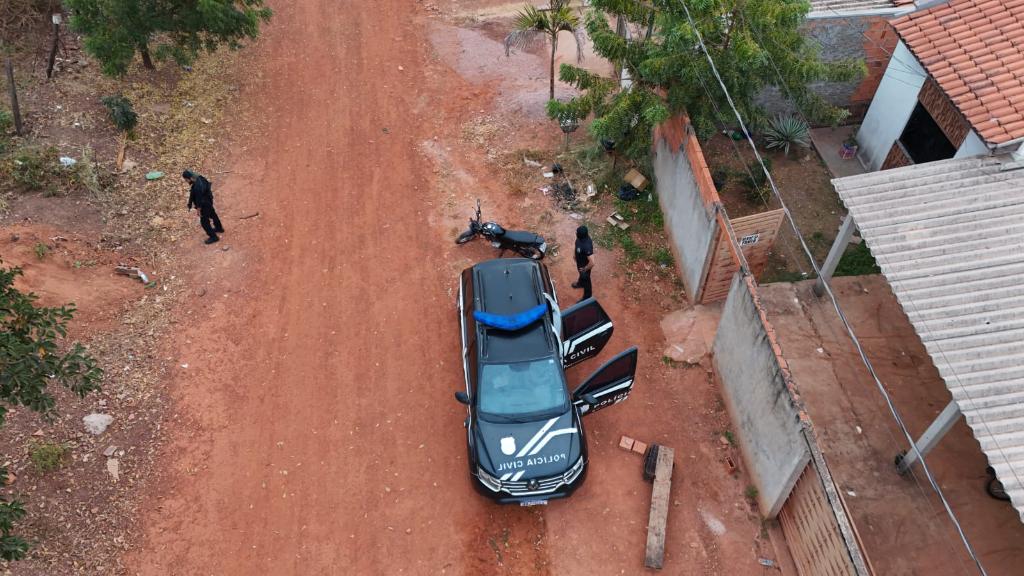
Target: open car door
611, 383
586, 328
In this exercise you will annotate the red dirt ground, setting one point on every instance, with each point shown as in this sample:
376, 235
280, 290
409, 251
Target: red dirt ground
319, 365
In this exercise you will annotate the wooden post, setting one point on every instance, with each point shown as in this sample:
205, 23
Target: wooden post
13, 90
655, 554
121, 151
56, 18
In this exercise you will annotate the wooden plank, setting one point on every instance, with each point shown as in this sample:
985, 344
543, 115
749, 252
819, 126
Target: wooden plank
655, 555
812, 531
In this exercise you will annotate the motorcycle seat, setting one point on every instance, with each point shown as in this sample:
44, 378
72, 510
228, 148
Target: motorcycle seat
522, 237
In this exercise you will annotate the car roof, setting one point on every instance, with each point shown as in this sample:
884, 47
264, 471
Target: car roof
509, 286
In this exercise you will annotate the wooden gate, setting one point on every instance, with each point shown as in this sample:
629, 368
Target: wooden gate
812, 531
755, 235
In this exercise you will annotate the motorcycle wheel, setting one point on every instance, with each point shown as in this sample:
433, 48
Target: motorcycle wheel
465, 237
531, 252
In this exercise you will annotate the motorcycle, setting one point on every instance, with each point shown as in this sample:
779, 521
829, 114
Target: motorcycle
526, 244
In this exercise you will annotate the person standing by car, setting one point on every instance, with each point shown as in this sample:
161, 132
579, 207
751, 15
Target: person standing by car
201, 196
584, 261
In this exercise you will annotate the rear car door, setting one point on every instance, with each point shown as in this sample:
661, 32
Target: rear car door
586, 328
611, 384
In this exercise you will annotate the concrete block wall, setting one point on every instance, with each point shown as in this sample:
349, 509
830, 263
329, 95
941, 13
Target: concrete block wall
687, 196
867, 38
760, 397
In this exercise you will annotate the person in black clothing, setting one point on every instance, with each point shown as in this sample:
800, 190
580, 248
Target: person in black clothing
201, 196
584, 261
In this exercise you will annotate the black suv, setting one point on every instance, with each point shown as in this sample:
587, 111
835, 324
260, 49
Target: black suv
526, 441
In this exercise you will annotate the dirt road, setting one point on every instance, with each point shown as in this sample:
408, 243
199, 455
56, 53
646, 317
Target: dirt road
319, 359
319, 374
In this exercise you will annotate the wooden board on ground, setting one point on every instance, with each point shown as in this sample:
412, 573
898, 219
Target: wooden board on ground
659, 509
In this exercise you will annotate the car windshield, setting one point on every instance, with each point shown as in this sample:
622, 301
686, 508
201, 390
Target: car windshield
521, 388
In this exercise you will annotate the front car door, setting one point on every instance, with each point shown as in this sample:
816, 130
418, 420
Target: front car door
586, 328
611, 383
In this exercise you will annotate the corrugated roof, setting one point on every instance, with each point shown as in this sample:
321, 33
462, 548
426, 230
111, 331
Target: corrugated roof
975, 50
949, 237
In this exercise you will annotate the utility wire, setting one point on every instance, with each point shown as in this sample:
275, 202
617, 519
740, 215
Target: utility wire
897, 282
796, 105
831, 294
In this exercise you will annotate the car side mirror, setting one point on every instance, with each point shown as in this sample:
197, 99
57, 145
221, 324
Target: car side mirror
589, 399
462, 397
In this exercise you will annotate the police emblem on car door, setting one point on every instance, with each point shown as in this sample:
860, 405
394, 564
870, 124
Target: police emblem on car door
610, 384
586, 328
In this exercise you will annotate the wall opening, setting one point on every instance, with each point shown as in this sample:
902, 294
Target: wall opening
923, 138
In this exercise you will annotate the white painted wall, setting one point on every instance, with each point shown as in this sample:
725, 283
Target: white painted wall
973, 146
891, 108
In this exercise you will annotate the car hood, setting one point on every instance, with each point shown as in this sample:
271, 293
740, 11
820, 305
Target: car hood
525, 450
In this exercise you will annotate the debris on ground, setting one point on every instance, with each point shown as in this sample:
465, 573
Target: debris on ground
155, 175
616, 219
97, 423
132, 272
635, 179
250, 215
114, 468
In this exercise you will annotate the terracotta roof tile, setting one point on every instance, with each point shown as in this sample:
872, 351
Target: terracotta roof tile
974, 49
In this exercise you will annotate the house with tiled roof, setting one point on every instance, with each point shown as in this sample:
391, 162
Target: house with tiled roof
953, 88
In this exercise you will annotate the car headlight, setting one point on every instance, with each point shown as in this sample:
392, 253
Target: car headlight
487, 480
573, 473
543, 246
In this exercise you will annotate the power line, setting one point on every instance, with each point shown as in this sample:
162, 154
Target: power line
907, 297
797, 107
835, 302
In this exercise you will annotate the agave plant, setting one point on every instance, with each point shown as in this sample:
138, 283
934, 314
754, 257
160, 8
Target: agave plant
533, 24
786, 131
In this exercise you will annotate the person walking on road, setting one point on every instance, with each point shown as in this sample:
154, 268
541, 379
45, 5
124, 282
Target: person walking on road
584, 261
201, 196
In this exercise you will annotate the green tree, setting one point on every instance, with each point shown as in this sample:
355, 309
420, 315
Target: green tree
754, 43
114, 30
29, 361
533, 24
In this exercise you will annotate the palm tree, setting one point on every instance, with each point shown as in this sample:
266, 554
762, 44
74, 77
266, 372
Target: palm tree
533, 24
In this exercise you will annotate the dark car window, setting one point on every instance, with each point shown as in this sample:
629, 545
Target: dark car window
521, 388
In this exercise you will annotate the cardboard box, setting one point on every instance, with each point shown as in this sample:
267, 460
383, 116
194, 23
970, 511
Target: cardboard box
636, 179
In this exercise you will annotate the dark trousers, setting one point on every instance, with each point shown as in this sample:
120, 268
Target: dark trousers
205, 216
584, 282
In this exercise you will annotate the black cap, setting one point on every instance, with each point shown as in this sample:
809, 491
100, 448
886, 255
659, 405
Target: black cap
187, 174
582, 232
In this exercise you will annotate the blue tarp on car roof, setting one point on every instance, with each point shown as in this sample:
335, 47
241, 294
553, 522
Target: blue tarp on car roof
512, 321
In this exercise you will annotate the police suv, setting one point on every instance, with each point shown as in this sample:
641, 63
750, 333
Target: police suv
526, 438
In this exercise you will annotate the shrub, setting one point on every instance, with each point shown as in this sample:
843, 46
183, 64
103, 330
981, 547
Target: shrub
31, 167
663, 257
784, 132
122, 114
47, 456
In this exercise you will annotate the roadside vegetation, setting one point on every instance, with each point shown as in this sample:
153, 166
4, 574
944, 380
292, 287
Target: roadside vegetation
148, 72
34, 356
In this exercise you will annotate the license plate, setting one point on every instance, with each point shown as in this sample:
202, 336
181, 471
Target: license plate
534, 503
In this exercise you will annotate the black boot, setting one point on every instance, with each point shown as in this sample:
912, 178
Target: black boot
211, 240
